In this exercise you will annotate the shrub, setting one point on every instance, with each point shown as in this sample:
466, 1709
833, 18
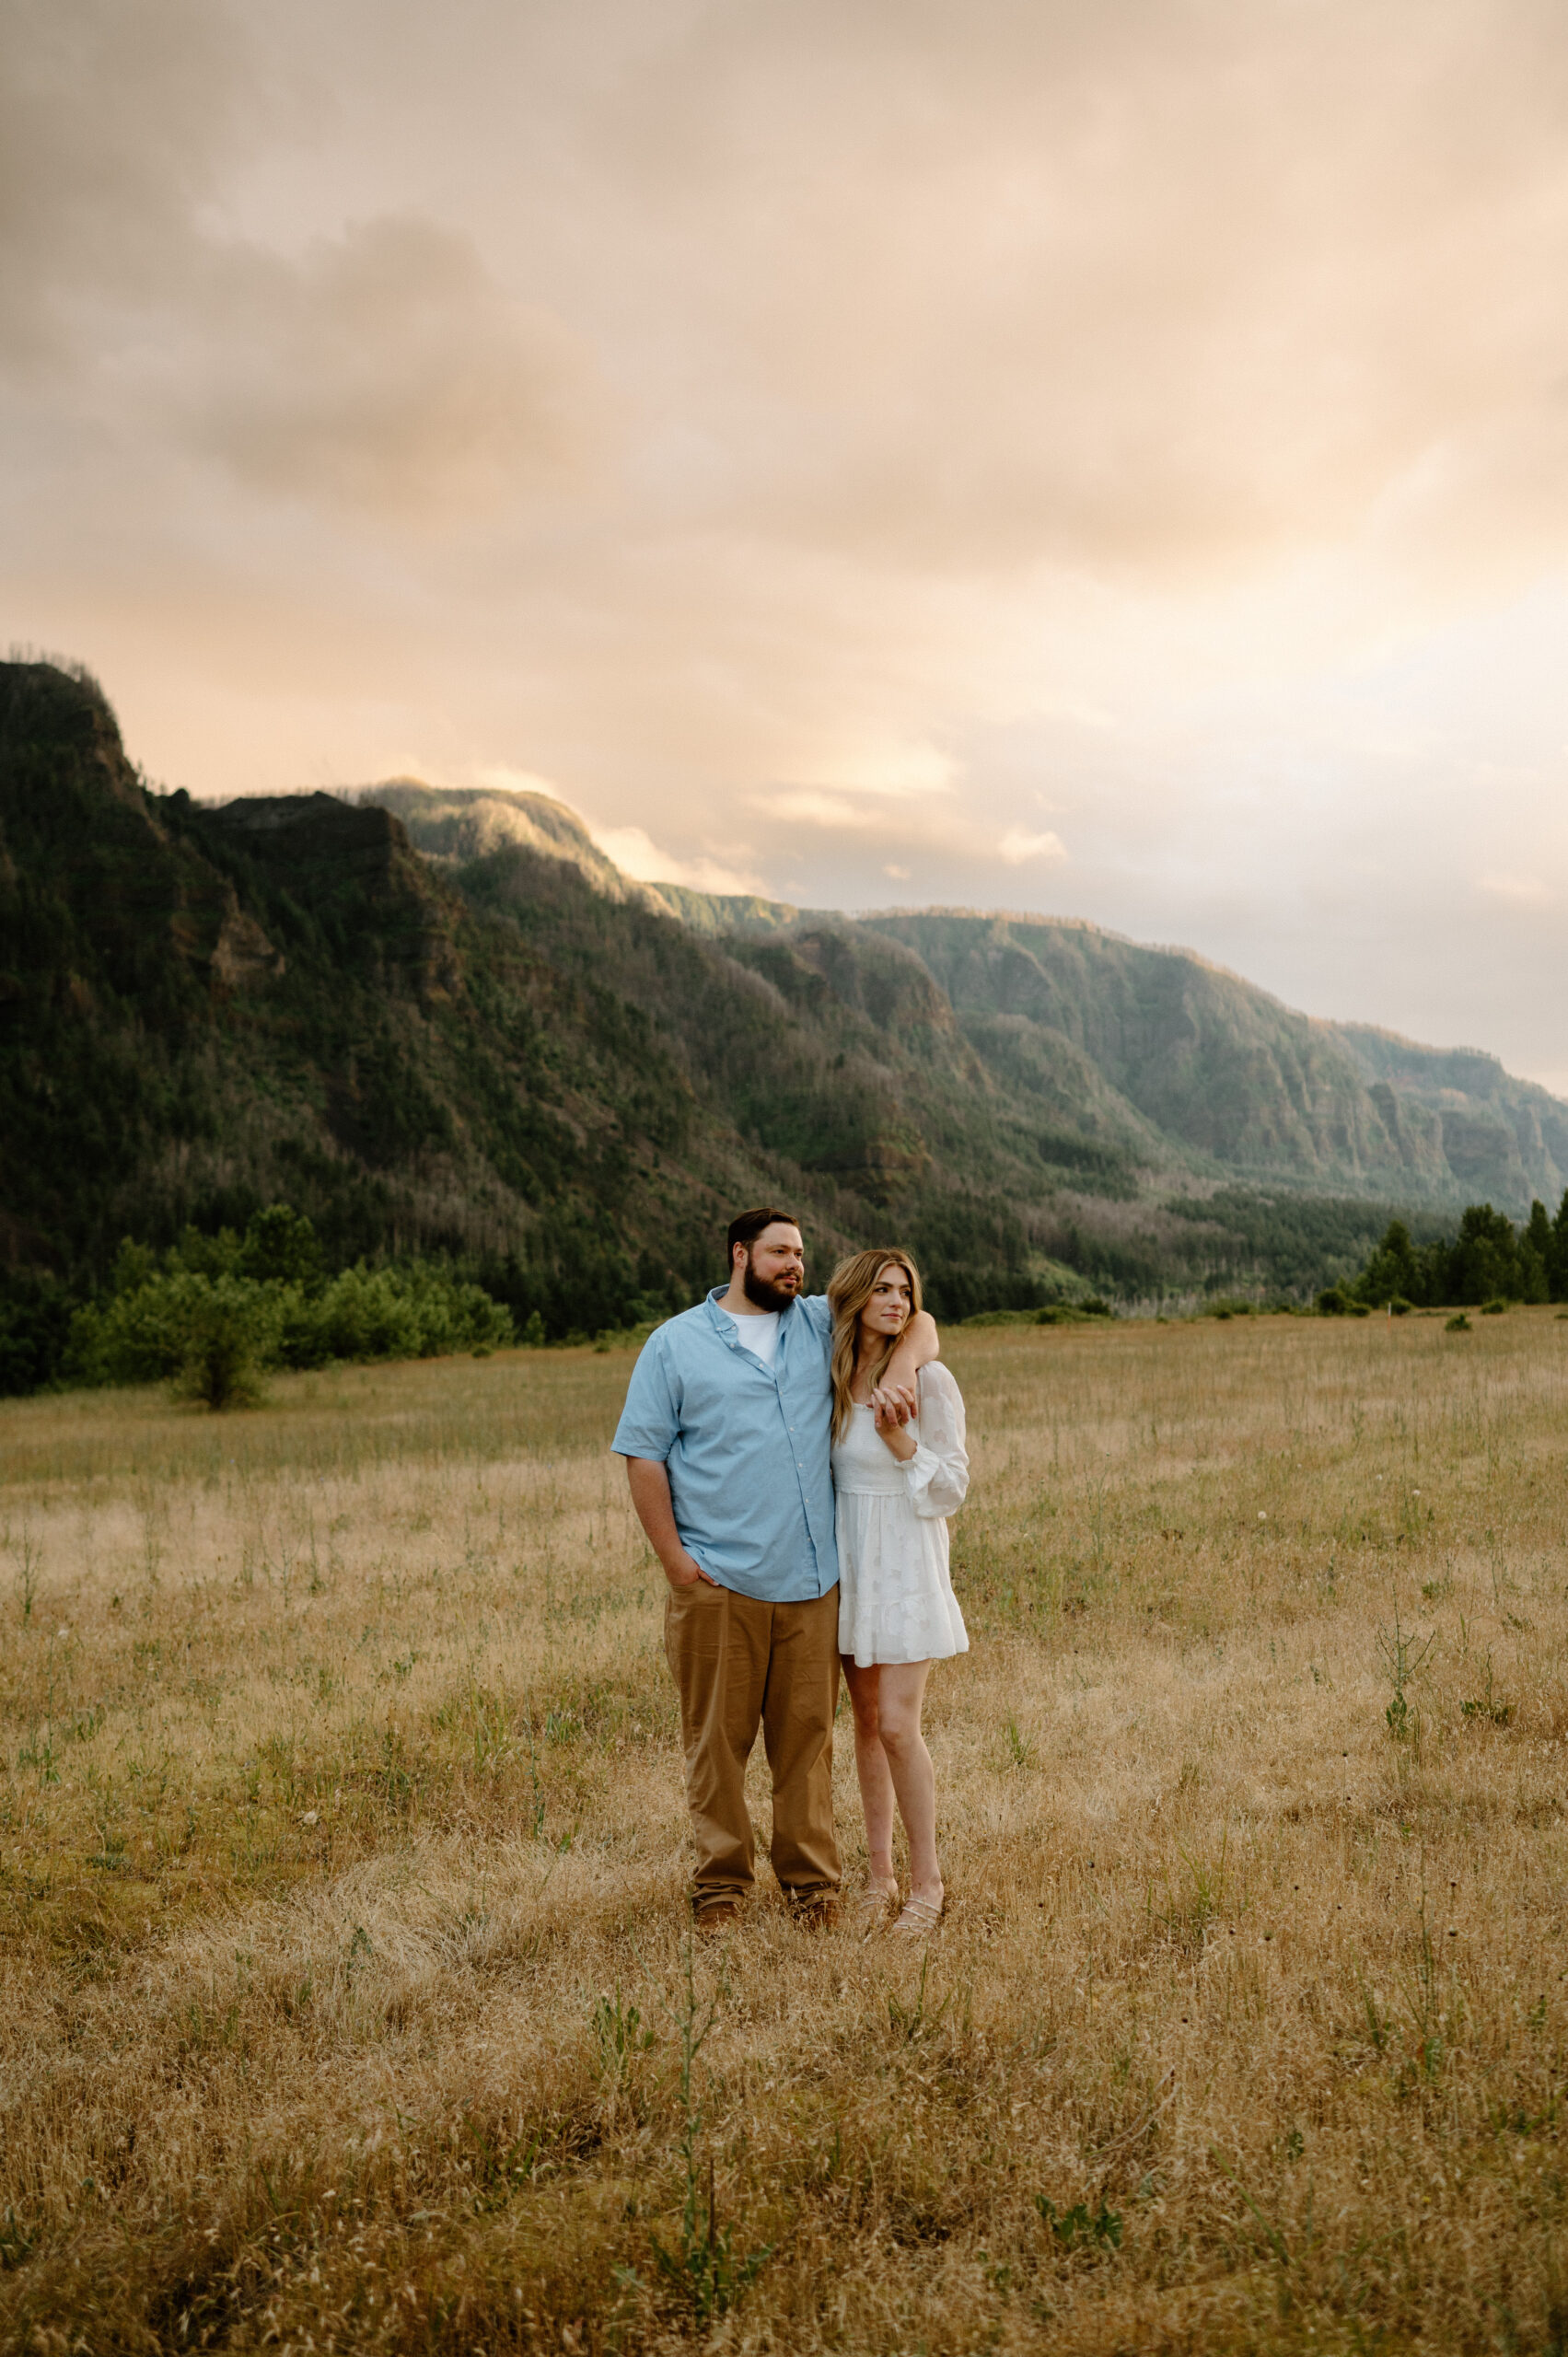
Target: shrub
177, 1321
280, 1247
227, 1323
1492, 1309
1335, 1302
417, 1312
148, 1334
1458, 1324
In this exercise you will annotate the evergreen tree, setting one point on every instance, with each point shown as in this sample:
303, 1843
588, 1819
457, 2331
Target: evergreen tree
1557, 1259
280, 1247
1394, 1272
1485, 1262
1535, 1256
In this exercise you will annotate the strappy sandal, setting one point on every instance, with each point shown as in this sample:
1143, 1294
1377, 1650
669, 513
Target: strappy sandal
872, 1907
919, 1920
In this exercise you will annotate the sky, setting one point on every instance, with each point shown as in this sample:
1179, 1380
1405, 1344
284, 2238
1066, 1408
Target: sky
1105, 460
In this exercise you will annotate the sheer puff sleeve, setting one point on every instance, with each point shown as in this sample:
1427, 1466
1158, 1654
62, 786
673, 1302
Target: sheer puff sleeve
938, 1475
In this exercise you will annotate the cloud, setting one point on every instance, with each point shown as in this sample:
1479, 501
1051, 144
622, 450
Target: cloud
1018, 845
1155, 292
896, 772
388, 372
116, 125
1144, 290
1518, 891
835, 439
797, 808
636, 854
505, 780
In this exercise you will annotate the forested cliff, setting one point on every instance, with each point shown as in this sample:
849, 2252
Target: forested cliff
444, 1022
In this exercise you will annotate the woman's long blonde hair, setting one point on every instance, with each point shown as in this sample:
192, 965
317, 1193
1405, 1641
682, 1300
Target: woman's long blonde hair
849, 1289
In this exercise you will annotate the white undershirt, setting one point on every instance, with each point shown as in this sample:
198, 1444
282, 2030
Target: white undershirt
760, 1334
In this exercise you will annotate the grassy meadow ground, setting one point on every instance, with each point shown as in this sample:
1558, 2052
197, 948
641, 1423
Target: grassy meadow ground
349, 2002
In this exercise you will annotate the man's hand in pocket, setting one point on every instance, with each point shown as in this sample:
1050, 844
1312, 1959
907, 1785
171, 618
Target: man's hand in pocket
686, 1572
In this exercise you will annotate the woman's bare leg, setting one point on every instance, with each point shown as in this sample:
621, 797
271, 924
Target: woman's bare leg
871, 1766
899, 1698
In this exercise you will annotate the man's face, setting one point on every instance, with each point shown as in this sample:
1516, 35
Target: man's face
773, 1270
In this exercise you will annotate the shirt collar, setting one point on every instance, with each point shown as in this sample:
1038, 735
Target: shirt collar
723, 1323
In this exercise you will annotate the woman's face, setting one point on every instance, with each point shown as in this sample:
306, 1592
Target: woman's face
888, 1310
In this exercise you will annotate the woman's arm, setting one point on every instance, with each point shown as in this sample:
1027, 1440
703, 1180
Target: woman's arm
938, 1472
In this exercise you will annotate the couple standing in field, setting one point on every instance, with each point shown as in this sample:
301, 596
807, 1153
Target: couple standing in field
793, 1460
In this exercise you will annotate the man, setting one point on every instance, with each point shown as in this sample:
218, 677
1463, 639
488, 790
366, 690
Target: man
726, 1432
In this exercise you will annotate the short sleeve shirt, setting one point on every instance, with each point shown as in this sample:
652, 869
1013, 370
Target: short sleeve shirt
746, 1445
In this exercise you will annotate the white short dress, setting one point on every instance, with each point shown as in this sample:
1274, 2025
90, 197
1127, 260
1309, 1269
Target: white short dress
896, 1600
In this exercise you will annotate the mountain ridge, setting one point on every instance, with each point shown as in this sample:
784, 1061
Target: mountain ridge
441, 1020
1430, 1159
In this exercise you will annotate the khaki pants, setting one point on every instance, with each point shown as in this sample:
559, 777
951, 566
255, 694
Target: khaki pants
739, 1665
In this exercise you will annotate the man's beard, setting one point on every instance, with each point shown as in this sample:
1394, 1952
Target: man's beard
761, 1295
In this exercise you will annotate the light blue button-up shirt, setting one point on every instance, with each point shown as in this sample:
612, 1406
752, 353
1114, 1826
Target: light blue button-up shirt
746, 1445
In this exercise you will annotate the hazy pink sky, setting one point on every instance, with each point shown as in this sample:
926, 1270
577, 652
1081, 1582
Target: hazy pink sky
1109, 459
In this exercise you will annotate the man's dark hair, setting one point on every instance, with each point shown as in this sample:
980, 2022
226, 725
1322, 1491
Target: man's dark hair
747, 1226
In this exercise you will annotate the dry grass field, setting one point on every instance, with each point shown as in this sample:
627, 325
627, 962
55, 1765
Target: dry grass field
349, 2003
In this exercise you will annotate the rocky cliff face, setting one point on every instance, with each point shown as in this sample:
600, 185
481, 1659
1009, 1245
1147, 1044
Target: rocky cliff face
106, 901
1499, 1137
1215, 1066
1167, 1057
1142, 1061
361, 870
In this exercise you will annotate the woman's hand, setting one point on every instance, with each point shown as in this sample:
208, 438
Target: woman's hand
892, 1407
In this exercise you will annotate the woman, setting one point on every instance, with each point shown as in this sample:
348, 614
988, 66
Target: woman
894, 1484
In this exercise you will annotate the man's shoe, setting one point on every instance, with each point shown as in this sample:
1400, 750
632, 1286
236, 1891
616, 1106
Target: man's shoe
722, 1916
817, 1914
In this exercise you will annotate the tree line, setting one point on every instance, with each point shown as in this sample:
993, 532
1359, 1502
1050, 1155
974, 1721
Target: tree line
1489, 1259
213, 1313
